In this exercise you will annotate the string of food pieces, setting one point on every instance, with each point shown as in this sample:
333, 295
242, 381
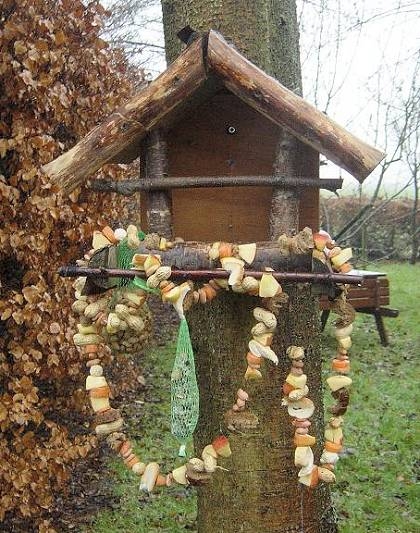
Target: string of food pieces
301, 409
327, 251
232, 257
339, 383
95, 323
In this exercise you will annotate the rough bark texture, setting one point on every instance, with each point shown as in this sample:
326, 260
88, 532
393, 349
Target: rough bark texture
129, 187
155, 166
194, 256
258, 28
260, 493
284, 214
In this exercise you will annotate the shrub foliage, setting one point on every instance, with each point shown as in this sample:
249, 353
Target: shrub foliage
58, 78
386, 234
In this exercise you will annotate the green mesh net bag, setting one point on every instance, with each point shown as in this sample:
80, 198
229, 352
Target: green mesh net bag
125, 255
184, 389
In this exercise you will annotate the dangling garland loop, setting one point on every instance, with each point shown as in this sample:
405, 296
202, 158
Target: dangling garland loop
108, 316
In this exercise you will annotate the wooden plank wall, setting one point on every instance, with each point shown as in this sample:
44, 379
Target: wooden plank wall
200, 145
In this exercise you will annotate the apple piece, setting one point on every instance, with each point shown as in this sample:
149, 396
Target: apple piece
310, 480
263, 351
247, 252
222, 446
99, 240
265, 339
298, 394
334, 435
235, 267
320, 240
94, 382
342, 257
338, 382
179, 475
209, 450
252, 373
184, 288
304, 456
138, 261
214, 251
326, 475
298, 382
269, 286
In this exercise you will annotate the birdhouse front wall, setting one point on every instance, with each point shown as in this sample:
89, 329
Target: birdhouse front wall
225, 137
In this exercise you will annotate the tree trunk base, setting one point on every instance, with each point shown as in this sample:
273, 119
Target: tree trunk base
260, 493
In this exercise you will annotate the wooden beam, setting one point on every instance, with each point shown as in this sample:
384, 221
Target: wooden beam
195, 256
278, 104
130, 187
132, 121
284, 209
203, 275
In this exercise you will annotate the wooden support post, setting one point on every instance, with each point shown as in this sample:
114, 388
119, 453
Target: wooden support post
284, 213
380, 326
324, 318
155, 166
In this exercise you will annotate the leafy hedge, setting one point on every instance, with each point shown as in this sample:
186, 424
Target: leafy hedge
57, 79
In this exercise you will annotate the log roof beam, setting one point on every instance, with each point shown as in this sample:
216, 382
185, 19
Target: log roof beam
116, 139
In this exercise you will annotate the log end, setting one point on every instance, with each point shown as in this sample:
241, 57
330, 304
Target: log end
369, 160
59, 176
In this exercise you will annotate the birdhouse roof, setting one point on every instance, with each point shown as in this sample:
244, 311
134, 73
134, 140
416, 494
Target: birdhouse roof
199, 71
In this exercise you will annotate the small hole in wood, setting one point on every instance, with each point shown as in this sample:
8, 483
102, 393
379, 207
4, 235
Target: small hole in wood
231, 130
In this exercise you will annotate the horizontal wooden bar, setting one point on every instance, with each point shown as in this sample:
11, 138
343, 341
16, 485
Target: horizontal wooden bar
383, 311
363, 292
191, 182
357, 303
75, 271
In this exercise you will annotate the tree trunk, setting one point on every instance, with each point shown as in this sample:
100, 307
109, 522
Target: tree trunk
260, 493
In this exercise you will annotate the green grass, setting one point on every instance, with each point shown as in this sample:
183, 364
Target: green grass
376, 489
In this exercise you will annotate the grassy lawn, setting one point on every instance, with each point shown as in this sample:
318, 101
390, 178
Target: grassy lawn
376, 490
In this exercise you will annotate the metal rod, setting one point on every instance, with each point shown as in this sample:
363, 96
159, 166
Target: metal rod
75, 271
168, 182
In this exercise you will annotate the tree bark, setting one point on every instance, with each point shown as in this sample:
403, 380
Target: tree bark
284, 213
154, 166
260, 493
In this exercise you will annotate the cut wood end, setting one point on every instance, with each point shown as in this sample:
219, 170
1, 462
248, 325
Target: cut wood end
372, 161
57, 175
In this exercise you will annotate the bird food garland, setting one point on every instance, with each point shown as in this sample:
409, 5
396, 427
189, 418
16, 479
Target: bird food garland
107, 316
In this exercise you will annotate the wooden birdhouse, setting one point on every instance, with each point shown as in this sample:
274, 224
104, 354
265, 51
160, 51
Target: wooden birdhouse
209, 131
